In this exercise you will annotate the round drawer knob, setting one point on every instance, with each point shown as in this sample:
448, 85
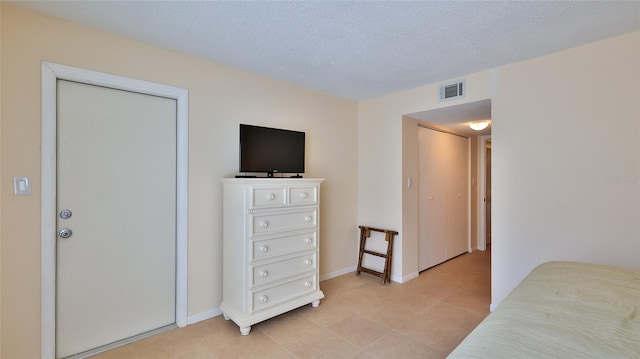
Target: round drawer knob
304, 195
264, 224
264, 249
308, 262
264, 298
264, 274
308, 218
308, 240
271, 196
308, 284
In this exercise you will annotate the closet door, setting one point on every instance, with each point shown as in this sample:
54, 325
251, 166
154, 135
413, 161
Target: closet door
440, 173
431, 192
458, 196
443, 197
426, 209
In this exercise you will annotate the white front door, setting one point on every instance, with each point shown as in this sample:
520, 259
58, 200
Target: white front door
116, 175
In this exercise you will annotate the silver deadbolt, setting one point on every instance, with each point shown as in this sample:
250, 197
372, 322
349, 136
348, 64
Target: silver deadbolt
65, 233
65, 214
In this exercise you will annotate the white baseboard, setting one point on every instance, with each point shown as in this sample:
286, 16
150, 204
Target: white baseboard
337, 273
492, 307
216, 311
347, 270
406, 278
203, 316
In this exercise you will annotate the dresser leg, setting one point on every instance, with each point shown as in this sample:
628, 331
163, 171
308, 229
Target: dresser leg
315, 303
245, 330
226, 317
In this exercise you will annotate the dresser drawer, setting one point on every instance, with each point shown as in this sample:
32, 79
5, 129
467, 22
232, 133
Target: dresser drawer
283, 221
303, 195
269, 297
270, 248
268, 197
267, 273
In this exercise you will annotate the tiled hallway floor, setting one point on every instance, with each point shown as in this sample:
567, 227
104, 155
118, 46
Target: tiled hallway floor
359, 318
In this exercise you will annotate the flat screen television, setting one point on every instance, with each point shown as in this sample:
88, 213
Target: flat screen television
271, 150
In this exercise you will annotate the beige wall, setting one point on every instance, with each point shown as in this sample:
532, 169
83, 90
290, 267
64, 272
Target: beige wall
565, 159
565, 146
219, 99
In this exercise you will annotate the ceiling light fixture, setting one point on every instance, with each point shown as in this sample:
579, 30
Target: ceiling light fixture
479, 125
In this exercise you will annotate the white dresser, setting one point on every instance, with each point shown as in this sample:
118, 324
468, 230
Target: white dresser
270, 247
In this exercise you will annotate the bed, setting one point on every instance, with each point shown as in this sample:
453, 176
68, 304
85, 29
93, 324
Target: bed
563, 310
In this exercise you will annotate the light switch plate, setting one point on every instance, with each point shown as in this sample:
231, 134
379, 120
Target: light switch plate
21, 186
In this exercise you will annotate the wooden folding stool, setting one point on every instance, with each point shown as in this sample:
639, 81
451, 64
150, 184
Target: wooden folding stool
365, 232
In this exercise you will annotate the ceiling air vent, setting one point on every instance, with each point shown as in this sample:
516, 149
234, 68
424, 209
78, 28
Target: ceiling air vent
452, 90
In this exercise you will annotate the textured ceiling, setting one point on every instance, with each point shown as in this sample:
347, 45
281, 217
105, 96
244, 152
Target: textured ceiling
356, 49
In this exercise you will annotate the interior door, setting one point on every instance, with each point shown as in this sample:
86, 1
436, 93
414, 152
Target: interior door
439, 201
116, 197
426, 208
443, 203
457, 196
431, 199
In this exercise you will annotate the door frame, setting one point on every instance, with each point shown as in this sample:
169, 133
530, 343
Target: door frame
482, 193
51, 72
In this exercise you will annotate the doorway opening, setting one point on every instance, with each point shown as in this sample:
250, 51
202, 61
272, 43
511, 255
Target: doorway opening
453, 119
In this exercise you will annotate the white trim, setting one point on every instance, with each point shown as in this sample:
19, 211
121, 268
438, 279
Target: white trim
469, 247
182, 203
204, 316
51, 72
337, 273
492, 307
48, 215
482, 176
395, 278
406, 278
348, 270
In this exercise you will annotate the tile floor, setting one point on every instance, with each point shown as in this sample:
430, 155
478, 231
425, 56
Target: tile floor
359, 318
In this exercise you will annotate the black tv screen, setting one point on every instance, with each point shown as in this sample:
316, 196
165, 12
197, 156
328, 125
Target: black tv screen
271, 150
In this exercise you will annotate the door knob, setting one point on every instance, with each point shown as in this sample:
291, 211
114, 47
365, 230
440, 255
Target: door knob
65, 214
65, 233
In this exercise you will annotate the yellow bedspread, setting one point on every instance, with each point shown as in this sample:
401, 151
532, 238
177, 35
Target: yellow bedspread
563, 310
